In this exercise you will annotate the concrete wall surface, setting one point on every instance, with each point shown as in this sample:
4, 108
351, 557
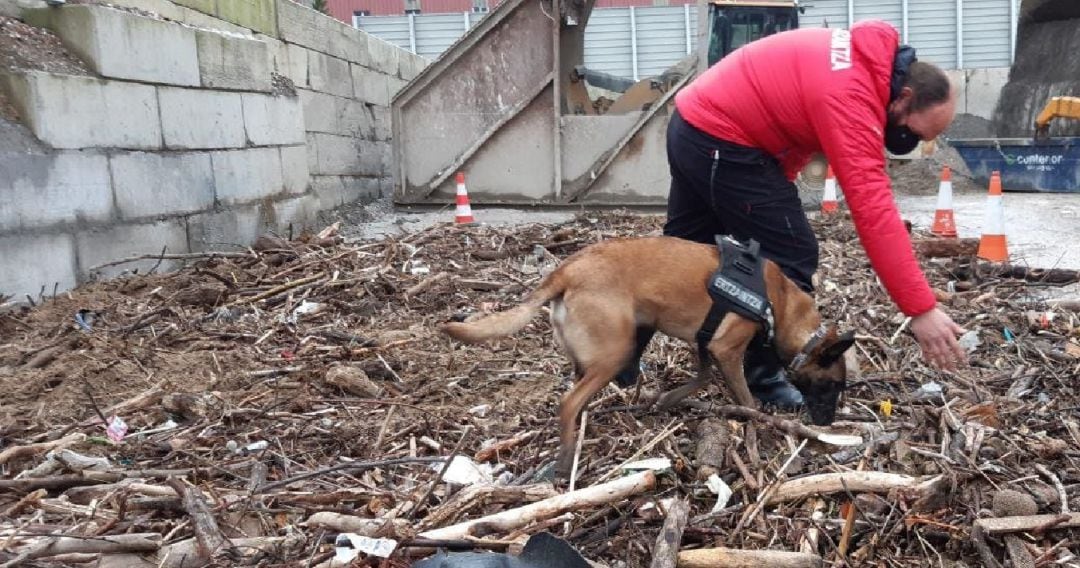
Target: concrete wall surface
203, 124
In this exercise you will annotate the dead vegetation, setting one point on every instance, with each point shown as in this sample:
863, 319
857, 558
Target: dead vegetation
274, 398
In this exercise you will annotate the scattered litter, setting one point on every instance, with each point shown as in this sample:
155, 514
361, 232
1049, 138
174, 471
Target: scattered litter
721, 490
970, 341
480, 411
929, 391
349, 546
655, 464
116, 429
464, 471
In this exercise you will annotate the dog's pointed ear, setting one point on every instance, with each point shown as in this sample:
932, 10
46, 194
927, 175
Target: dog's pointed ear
834, 351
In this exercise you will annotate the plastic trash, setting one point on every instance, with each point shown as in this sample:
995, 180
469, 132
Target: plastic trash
929, 391
722, 490
655, 464
464, 471
970, 341
116, 429
348, 546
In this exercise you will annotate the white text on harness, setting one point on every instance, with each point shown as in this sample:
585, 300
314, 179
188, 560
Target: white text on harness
840, 50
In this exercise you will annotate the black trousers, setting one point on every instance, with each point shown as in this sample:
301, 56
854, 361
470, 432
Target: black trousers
721, 188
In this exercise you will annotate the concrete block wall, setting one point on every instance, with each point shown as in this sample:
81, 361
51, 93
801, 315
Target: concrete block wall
203, 128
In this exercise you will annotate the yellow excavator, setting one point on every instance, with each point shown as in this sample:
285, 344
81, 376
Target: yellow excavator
1058, 107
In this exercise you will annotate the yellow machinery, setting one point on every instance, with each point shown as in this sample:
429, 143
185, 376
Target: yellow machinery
1058, 107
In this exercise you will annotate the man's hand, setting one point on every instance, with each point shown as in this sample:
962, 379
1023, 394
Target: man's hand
936, 333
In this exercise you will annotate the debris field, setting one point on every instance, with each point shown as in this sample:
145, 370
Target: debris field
252, 406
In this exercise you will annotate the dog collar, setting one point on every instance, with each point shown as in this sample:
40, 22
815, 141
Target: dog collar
804, 353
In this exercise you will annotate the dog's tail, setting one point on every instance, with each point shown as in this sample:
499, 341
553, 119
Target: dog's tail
506, 323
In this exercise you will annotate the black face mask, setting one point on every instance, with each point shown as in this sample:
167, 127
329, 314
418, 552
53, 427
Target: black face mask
900, 140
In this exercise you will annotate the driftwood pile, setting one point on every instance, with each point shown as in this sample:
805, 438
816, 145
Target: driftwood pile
253, 406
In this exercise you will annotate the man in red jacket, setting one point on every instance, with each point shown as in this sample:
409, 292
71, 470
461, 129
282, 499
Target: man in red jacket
744, 129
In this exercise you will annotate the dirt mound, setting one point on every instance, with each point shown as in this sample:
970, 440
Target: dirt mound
922, 176
26, 48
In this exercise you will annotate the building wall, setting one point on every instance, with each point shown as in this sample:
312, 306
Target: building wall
933, 27
193, 133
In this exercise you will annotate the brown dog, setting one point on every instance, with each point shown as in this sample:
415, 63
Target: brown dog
601, 294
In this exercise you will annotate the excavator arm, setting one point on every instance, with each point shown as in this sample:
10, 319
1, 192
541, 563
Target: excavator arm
1064, 107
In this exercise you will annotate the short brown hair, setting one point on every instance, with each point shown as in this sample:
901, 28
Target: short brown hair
929, 85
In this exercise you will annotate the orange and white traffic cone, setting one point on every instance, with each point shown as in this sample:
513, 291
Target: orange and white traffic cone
992, 245
944, 223
828, 201
464, 214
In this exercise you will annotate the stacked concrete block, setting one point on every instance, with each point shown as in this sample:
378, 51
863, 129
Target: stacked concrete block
295, 174
227, 62
187, 140
29, 263
150, 184
67, 111
242, 176
234, 228
121, 45
272, 120
105, 244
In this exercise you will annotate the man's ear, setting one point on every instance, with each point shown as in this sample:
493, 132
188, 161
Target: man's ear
835, 351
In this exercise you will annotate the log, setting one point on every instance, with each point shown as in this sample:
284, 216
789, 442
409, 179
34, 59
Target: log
481, 285
712, 442
666, 551
946, 248
515, 518
52, 483
480, 495
31, 450
732, 558
352, 380
853, 481
208, 535
426, 283
140, 542
84, 495
1029, 523
359, 525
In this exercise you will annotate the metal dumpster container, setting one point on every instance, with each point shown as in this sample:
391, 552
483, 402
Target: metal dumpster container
1025, 164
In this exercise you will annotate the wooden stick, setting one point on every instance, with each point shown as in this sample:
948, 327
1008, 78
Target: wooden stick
351, 466
178, 256
853, 481
666, 551
732, 558
208, 535
426, 283
477, 495
279, 289
30, 450
1062, 495
489, 453
577, 449
1034, 523
587, 497
140, 542
359, 525
789, 426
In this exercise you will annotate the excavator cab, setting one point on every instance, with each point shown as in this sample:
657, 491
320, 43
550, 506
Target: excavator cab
735, 23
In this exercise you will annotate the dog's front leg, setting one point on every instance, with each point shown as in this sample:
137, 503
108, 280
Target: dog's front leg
729, 352
676, 395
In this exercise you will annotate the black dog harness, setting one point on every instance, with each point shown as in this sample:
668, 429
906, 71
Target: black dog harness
737, 286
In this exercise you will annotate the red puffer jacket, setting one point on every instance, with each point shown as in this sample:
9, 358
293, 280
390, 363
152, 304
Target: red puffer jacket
820, 90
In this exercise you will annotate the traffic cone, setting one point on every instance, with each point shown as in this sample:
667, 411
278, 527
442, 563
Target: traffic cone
464, 214
944, 223
828, 201
992, 245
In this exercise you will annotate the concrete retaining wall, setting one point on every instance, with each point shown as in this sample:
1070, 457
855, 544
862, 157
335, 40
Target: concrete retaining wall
201, 129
